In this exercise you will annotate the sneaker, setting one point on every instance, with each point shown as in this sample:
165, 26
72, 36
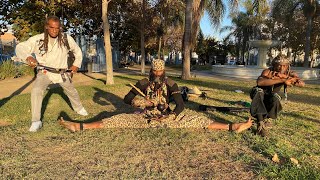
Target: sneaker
35, 126
83, 112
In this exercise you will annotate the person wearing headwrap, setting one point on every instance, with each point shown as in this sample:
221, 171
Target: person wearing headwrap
153, 95
265, 98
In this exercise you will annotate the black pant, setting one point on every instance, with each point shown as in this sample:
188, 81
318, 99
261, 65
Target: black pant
265, 105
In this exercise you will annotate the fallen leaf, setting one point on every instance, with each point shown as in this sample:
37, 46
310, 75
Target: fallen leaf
294, 161
276, 158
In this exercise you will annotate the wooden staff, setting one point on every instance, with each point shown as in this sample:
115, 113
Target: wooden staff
139, 91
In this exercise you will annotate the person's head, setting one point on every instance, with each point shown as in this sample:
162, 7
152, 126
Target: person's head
53, 26
281, 64
157, 72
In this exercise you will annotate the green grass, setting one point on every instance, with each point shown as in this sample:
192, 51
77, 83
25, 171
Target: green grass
159, 153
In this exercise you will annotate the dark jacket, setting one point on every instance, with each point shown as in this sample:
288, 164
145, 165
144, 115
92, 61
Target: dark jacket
173, 93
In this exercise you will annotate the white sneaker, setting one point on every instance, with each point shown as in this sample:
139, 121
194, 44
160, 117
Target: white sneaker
83, 112
35, 126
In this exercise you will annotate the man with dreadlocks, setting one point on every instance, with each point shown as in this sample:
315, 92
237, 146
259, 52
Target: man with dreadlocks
156, 93
265, 98
48, 53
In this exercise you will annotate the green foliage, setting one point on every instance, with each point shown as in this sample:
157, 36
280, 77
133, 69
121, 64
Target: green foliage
9, 70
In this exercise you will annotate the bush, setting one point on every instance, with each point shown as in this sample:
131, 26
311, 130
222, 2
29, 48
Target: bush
9, 70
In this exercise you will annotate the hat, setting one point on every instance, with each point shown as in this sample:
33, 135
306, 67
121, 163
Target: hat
194, 90
157, 64
281, 59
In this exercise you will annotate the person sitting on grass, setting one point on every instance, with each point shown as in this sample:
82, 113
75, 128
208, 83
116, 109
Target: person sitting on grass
156, 92
265, 98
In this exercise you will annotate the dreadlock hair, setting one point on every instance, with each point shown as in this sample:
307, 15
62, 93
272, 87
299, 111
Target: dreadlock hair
281, 58
44, 45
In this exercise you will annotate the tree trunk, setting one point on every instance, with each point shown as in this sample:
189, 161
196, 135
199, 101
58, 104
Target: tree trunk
187, 41
107, 43
307, 45
238, 48
159, 48
294, 58
198, 13
142, 43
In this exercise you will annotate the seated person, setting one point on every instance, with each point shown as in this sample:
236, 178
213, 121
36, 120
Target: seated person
265, 98
156, 92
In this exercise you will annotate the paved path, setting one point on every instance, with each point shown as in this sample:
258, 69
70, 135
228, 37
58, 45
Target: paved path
12, 87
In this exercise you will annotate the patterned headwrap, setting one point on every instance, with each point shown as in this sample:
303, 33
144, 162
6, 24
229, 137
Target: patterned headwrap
157, 64
281, 59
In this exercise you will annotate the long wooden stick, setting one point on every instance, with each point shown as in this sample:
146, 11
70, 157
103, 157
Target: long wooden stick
139, 91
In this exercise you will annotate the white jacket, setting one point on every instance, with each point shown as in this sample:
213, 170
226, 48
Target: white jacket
56, 56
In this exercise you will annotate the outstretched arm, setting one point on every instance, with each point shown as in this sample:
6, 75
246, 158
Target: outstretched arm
142, 85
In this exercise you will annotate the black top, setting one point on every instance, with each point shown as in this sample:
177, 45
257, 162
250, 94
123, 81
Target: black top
173, 93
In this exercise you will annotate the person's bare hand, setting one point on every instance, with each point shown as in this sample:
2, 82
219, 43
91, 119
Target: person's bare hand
74, 69
291, 81
282, 76
277, 75
299, 83
32, 62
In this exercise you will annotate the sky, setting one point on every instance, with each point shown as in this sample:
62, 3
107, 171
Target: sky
209, 31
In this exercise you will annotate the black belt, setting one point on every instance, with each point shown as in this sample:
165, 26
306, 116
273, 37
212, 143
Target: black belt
62, 72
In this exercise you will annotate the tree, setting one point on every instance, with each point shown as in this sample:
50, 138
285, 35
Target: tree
107, 46
142, 42
310, 9
187, 40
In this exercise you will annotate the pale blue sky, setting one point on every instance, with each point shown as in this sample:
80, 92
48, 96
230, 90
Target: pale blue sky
208, 30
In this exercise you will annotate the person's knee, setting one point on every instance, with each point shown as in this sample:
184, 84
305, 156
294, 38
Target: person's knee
37, 91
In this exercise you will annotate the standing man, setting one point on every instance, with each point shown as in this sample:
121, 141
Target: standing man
48, 52
265, 98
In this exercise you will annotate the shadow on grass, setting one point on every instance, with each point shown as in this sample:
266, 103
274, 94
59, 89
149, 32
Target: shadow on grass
195, 106
88, 75
54, 89
300, 117
304, 98
212, 84
103, 98
17, 92
98, 117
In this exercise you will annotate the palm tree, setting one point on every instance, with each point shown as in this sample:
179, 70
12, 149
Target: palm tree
187, 41
142, 39
215, 9
107, 46
241, 30
309, 8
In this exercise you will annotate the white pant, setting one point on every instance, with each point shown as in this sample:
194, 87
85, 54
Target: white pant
40, 85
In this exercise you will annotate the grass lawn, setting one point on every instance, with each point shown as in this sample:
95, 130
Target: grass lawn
56, 153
